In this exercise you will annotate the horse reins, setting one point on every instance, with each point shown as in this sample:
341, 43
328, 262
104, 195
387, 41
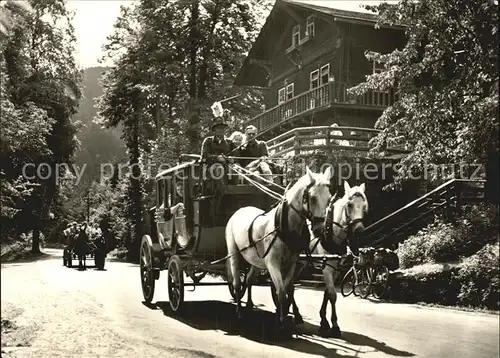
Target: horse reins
307, 215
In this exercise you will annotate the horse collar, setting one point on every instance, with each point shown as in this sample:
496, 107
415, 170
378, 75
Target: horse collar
296, 241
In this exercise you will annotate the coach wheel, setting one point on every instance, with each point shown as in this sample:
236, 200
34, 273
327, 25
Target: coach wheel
243, 286
147, 279
175, 283
69, 259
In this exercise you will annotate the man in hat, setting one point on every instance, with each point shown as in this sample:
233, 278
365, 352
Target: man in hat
213, 150
215, 146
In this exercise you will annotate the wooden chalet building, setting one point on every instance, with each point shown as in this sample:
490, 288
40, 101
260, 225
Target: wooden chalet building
306, 57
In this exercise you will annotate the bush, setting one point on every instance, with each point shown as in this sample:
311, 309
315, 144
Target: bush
429, 283
479, 277
448, 242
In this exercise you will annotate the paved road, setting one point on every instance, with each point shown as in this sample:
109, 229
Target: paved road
52, 311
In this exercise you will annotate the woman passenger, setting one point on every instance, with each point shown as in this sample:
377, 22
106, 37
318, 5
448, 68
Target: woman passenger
237, 139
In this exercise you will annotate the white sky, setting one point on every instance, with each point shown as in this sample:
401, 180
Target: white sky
94, 20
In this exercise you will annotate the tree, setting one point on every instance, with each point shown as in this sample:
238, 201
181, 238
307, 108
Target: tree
40, 94
447, 80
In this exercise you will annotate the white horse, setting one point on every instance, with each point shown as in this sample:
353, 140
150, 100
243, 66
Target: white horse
343, 226
273, 240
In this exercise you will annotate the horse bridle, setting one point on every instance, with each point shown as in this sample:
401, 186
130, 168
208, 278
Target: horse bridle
306, 200
349, 221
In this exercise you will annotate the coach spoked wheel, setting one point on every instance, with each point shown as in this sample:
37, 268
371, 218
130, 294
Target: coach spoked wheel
243, 286
147, 274
175, 283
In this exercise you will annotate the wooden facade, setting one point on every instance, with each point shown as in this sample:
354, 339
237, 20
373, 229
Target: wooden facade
307, 56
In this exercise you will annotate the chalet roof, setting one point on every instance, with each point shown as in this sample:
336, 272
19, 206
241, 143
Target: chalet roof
331, 8
253, 75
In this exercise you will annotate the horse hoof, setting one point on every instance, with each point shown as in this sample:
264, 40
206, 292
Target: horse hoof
323, 332
335, 332
299, 320
324, 329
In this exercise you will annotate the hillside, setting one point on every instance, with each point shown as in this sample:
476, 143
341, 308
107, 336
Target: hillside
98, 145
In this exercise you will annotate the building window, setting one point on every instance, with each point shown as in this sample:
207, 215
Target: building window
289, 91
314, 79
281, 95
377, 67
295, 35
325, 74
310, 26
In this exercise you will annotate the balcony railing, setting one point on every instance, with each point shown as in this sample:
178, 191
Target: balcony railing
321, 97
306, 140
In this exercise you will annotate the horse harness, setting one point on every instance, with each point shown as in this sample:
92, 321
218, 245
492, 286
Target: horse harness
331, 243
296, 241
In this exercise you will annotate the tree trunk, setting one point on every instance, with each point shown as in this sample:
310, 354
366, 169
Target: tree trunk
207, 55
35, 244
135, 184
192, 131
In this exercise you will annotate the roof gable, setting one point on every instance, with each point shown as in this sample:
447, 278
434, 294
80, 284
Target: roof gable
252, 74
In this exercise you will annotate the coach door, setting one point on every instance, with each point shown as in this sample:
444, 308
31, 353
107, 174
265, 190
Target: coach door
181, 190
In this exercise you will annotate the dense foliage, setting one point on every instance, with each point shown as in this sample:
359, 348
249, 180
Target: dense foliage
468, 249
451, 241
447, 79
39, 94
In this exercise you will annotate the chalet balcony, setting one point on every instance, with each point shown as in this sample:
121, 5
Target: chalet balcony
307, 140
325, 96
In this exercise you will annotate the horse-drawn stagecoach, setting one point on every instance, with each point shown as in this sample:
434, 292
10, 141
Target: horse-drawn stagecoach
193, 242
247, 230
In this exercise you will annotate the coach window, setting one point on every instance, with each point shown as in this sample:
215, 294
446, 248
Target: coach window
159, 193
168, 191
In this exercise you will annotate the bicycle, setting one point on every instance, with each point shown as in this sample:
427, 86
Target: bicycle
367, 275
351, 280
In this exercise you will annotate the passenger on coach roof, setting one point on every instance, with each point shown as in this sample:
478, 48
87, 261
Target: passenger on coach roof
237, 139
217, 145
214, 152
257, 152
